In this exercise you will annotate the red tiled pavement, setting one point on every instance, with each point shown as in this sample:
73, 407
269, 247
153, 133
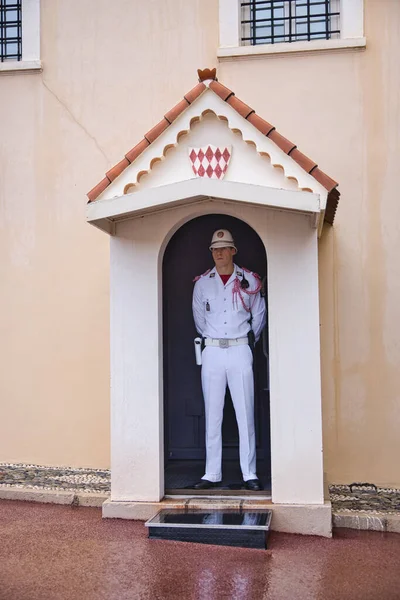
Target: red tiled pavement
50, 552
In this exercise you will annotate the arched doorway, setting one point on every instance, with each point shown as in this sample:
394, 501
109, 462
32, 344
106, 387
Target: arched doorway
186, 256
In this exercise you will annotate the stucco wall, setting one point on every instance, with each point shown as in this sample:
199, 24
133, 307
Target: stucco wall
111, 74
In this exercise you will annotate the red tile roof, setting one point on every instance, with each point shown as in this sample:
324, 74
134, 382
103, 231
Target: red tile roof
247, 113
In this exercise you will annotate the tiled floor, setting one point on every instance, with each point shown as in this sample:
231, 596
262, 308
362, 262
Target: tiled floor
50, 552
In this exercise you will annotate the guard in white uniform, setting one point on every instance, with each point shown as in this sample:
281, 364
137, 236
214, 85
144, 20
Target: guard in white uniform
225, 300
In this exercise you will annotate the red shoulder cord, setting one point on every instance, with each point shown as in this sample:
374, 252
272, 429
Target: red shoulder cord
199, 276
237, 291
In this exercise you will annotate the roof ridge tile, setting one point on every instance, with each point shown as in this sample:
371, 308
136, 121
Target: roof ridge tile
98, 189
157, 130
177, 110
283, 143
117, 169
327, 182
137, 150
195, 92
243, 109
263, 126
221, 90
302, 160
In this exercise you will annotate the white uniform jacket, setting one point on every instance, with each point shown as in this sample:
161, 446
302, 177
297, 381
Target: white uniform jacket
219, 313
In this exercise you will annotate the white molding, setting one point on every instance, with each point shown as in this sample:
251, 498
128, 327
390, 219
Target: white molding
30, 30
351, 33
351, 19
106, 225
21, 66
292, 48
229, 23
147, 201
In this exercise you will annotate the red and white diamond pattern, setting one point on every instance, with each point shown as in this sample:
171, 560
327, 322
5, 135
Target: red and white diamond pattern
210, 161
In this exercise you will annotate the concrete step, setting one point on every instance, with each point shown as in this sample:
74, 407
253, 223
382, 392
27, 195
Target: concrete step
247, 529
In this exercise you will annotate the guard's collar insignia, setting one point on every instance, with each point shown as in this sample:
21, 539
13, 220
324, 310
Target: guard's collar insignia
239, 273
212, 274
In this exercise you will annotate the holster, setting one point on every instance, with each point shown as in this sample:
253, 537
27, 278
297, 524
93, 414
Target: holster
252, 340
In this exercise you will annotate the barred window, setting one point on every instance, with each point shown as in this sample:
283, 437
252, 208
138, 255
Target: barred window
278, 21
10, 30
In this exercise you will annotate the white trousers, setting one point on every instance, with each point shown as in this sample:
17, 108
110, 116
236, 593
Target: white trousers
231, 366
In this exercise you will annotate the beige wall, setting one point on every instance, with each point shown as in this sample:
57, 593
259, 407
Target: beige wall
109, 75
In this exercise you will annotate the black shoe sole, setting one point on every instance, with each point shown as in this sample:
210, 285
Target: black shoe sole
256, 488
210, 486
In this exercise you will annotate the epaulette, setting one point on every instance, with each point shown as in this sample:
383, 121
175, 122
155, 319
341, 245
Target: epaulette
251, 272
199, 276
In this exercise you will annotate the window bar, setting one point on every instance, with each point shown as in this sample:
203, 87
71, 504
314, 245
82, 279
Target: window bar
253, 9
290, 21
308, 21
19, 30
327, 19
1, 31
272, 23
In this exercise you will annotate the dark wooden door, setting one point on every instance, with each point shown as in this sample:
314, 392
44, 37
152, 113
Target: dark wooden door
186, 256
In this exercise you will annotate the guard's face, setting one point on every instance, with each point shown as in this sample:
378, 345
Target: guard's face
223, 257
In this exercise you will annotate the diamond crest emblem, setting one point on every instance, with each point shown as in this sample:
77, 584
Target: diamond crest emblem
210, 161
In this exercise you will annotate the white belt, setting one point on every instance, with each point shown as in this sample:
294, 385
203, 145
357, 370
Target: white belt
225, 343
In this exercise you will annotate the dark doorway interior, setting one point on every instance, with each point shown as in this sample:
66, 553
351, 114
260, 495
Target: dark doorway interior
186, 256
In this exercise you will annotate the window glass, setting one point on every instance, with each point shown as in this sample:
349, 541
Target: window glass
277, 21
10, 30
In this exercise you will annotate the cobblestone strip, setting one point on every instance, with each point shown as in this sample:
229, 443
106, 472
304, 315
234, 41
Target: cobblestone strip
364, 497
352, 498
26, 476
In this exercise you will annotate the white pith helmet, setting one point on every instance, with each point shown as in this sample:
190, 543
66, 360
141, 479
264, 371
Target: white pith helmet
222, 238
